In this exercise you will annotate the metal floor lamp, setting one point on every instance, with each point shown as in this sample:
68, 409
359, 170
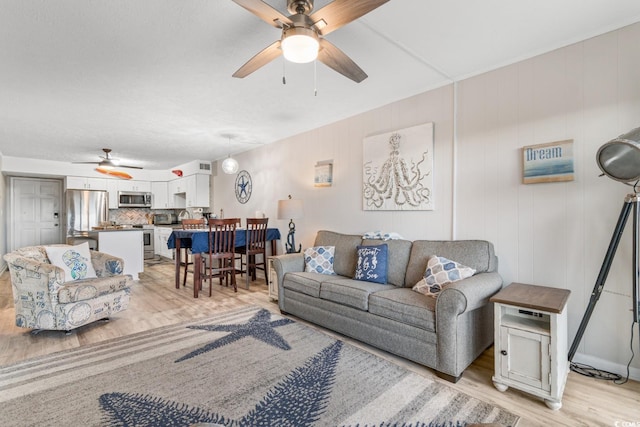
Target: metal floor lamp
619, 159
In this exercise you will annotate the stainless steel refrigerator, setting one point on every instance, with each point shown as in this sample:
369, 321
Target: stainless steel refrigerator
85, 209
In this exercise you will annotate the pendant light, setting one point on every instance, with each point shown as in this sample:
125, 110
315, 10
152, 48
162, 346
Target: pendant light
230, 165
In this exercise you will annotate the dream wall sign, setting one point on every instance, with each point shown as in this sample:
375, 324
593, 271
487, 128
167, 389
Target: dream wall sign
551, 162
397, 170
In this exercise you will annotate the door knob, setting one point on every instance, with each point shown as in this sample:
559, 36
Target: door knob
503, 352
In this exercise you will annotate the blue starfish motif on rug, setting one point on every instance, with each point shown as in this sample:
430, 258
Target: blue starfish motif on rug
260, 327
299, 400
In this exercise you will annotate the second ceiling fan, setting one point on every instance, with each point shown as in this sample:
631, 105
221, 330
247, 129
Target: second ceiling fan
303, 31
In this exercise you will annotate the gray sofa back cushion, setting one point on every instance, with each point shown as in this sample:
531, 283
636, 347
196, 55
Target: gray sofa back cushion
477, 254
346, 255
399, 252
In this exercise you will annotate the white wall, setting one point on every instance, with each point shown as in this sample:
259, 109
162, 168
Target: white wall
555, 234
552, 234
287, 167
3, 227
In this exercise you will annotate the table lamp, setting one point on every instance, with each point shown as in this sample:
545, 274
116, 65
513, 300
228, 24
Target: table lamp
290, 209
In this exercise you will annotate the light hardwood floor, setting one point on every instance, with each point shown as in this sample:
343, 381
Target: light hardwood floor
155, 302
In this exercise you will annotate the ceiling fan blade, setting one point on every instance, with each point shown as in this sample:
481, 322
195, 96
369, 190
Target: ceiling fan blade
127, 166
261, 59
265, 12
341, 12
336, 59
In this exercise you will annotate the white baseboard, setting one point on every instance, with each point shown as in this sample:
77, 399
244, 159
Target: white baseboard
606, 365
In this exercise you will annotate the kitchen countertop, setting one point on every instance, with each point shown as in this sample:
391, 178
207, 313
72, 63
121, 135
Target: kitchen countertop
111, 229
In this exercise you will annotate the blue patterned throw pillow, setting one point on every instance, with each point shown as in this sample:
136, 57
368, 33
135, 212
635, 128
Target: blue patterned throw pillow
319, 259
372, 264
441, 272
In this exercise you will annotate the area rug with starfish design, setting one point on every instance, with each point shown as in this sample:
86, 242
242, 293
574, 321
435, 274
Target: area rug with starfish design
246, 367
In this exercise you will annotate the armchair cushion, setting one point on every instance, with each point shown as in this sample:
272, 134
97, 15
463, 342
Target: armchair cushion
81, 290
75, 261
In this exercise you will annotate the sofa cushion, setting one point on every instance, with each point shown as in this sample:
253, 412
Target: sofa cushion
81, 290
319, 259
404, 306
345, 256
354, 293
372, 264
303, 282
75, 261
397, 259
477, 254
441, 272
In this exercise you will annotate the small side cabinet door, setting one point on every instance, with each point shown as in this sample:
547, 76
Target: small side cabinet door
525, 357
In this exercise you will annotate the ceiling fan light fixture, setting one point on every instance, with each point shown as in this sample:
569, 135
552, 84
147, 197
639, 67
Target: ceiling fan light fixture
300, 45
230, 165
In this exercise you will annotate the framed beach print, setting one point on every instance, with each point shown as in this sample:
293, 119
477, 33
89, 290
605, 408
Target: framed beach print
550, 162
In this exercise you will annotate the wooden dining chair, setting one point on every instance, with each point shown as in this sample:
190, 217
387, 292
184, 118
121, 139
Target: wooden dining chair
190, 224
222, 241
256, 244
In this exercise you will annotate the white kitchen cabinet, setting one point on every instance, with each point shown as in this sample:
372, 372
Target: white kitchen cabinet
189, 192
112, 188
197, 191
160, 244
159, 195
177, 186
86, 183
134, 185
531, 341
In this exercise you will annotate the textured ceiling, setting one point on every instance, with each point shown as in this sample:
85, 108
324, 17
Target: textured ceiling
151, 79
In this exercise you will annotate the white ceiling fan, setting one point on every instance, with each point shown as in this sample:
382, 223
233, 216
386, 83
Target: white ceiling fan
303, 34
109, 162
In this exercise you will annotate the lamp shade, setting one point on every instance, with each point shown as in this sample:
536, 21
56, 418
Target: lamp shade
230, 165
299, 45
619, 158
290, 209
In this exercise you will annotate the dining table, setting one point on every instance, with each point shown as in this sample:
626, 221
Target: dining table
198, 241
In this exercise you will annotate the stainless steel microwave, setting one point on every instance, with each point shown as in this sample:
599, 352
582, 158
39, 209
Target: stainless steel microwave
134, 199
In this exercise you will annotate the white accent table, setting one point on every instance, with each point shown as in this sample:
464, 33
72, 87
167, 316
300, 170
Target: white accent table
531, 341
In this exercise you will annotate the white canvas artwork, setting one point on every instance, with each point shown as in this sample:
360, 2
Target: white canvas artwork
398, 170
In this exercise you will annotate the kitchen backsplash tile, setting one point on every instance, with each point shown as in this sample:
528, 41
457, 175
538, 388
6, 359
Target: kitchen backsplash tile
135, 215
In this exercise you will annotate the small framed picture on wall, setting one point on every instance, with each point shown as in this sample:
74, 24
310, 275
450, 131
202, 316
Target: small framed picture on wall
550, 162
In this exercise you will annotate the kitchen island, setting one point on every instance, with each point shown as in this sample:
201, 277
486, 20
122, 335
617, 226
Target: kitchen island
125, 243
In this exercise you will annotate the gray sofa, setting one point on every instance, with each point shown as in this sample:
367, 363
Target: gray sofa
446, 333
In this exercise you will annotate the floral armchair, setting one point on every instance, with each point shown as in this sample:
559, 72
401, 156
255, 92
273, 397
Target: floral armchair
43, 300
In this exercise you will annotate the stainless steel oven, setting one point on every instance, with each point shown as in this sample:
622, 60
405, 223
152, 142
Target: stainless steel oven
147, 238
147, 241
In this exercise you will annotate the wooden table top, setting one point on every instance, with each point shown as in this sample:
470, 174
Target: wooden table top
535, 297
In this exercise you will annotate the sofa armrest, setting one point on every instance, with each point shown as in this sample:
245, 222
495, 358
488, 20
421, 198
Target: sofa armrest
106, 265
284, 264
464, 323
468, 294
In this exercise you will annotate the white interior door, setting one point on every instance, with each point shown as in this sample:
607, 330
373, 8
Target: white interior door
35, 212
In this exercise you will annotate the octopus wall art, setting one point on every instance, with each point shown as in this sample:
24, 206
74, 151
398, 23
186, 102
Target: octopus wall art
397, 170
